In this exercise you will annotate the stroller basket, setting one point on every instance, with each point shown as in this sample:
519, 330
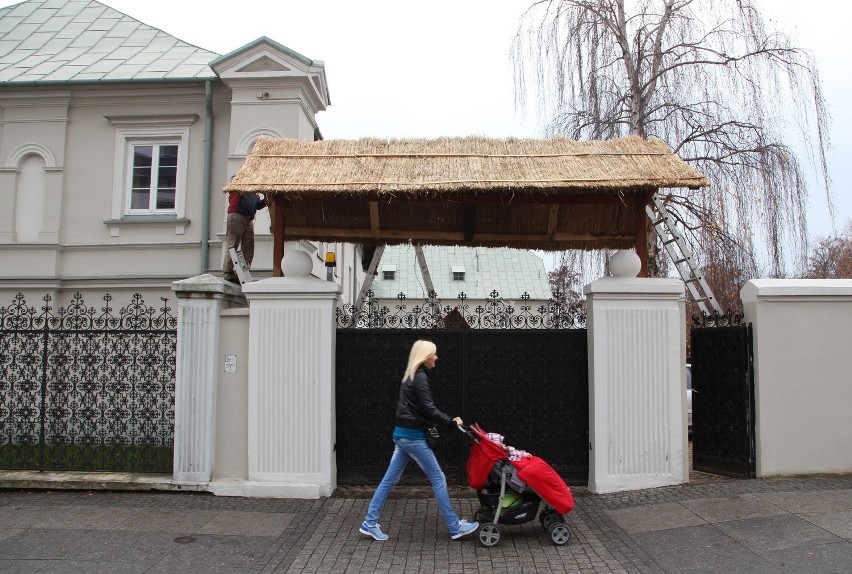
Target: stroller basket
516, 508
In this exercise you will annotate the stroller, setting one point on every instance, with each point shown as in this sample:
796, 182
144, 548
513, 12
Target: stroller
511, 492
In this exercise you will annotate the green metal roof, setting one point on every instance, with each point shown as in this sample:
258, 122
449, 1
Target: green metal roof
64, 41
510, 272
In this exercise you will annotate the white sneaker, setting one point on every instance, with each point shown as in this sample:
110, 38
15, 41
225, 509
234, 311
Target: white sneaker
464, 529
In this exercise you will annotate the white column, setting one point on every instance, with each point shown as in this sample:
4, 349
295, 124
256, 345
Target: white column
637, 402
291, 415
200, 300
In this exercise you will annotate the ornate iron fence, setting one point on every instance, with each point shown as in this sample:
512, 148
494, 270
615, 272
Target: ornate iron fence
723, 436
495, 313
82, 389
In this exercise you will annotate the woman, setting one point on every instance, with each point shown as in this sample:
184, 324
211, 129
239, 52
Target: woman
415, 409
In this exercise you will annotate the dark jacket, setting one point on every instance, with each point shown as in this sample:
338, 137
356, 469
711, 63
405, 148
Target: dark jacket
246, 204
416, 408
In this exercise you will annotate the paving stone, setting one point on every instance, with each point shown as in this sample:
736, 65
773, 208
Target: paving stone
833, 557
725, 526
655, 517
838, 523
736, 507
775, 532
241, 523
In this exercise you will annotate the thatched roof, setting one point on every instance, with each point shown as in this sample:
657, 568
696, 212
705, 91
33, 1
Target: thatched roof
544, 194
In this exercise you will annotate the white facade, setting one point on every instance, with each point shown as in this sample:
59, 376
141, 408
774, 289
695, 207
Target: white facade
802, 386
75, 218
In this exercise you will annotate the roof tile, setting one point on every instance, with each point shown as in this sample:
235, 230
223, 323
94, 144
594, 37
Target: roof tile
84, 40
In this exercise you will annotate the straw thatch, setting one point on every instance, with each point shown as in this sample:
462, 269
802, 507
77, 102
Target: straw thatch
545, 194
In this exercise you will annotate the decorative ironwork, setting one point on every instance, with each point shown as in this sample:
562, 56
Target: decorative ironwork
87, 389
530, 385
495, 313
716, 319
723, 401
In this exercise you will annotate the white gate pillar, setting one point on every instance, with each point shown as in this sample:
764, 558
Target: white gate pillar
291, 414
200, 300
637, 400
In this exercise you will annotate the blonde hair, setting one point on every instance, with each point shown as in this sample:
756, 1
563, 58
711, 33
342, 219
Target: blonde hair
420, 351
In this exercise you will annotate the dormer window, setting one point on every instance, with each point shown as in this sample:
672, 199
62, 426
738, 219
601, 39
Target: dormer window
458, 273
389, 272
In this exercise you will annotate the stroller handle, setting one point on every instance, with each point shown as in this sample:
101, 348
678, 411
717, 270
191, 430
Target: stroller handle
470, 434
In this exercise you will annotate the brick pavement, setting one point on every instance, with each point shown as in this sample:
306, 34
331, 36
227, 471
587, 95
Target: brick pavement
782, 525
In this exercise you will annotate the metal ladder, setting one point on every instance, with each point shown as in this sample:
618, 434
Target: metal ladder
681, 256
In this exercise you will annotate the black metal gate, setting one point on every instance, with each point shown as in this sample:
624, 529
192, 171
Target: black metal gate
82, 389
723, 397
530, 385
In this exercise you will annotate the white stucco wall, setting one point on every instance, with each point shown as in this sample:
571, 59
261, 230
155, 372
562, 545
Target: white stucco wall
803, 386
232, 403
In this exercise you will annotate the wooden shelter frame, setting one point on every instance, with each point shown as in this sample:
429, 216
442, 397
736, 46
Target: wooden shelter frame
532, 194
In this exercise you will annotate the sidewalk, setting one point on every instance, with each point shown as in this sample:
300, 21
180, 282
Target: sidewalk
727, 526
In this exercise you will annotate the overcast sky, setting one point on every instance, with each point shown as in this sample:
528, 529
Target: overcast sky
426, 69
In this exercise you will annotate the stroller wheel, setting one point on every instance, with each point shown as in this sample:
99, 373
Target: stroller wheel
548, 517
489, 534
559, 533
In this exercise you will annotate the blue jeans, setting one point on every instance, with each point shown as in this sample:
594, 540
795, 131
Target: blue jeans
407, 449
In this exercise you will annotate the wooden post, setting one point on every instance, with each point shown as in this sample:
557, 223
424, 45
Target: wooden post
641, 226
277, 206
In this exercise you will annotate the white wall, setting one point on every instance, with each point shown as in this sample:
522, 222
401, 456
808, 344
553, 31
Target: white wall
232, 398
803, 386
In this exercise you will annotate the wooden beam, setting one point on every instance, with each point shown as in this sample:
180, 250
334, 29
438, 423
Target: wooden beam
424, 235
375, 223
552, 220
625, 199
277, 207
641, 236
469, 220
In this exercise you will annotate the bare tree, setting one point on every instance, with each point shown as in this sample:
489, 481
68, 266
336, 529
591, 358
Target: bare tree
831, 257
565, 282
731, 97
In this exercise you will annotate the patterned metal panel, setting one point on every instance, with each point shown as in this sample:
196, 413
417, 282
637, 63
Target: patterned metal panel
82, 390
723, 400
529, 385
495, 313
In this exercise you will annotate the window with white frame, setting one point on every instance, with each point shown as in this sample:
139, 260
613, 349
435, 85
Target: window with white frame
153, 177
150, 172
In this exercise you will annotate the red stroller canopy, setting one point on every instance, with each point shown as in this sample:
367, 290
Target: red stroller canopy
534, 471
483, 455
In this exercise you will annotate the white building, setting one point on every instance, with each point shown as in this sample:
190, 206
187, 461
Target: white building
116, 140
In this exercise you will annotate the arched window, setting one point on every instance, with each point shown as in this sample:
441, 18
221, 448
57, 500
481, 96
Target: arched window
29, 198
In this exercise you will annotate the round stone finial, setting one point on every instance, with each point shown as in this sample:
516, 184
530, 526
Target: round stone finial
296, 264
625, 264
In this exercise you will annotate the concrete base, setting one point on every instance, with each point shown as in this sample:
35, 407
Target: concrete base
287, 490
141, 481
96, 481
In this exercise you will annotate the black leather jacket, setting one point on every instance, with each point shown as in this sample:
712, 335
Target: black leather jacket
416, 407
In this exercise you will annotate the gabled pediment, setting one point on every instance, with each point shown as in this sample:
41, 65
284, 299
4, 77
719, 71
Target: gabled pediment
262, 57
264, 64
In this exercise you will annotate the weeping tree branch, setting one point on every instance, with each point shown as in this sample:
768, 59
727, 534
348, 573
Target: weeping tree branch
738, 101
